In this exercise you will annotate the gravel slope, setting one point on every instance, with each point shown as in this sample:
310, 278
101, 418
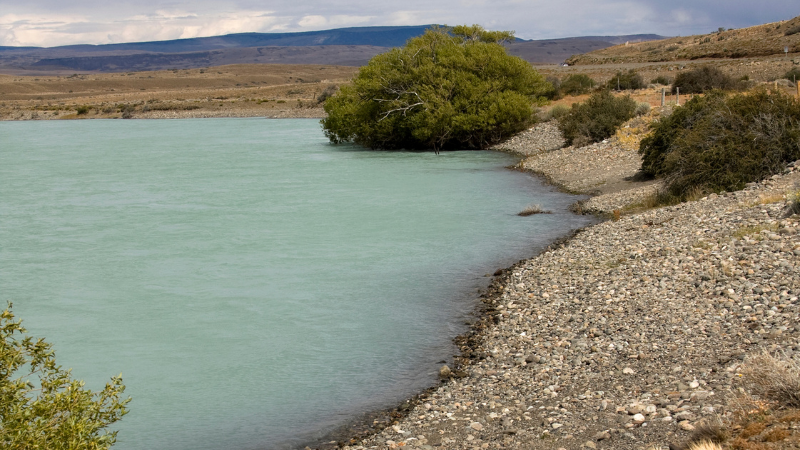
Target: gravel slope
627, 335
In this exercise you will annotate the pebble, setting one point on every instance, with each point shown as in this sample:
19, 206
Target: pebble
680, 295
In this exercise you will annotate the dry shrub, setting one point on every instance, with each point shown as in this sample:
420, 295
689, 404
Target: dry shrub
532, 209
720, 143
706, 436
772, 378
596, 119
704, 445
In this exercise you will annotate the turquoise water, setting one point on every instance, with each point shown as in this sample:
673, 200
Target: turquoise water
254, 285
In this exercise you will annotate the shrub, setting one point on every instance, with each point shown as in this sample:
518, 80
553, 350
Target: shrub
703, 79
127, 111
532, 209
41, 407
576, 84
774, 379
793, 74
624, 81
793, 30
327, 93
83, 110
793, 203
555, 93
718, 143
597, 118
557, 112
451, 88
662, 80
642, 108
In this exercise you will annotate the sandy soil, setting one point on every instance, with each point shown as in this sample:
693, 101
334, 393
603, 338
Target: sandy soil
225, 91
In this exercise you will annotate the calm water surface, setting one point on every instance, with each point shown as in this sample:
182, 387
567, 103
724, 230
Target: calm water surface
254, 285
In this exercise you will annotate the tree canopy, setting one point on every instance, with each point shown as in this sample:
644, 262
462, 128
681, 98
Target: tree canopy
41, 407
451, 88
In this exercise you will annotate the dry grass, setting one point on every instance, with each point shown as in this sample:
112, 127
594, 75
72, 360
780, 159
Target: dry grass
775, 379
532, 209
754, 230
254, 88
760, 40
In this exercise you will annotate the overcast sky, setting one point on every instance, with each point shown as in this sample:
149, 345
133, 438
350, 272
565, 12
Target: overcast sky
62, 22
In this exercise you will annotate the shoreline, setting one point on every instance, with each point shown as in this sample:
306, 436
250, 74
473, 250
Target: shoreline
371, 423
609, 338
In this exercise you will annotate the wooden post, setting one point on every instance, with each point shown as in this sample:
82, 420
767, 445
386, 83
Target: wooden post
678, 96
798, 88
663, 95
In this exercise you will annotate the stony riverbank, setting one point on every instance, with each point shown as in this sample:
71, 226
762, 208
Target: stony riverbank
629, 334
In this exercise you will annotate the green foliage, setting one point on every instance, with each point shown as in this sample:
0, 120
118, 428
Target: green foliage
624, 81
453, 88
41, 407
793, 74
702, 79
83, 110
557, 112
642, 109
597, 118
662, 80
576, 84
719, 143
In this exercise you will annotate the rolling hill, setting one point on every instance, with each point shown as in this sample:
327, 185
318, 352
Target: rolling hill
342, 46
757, 41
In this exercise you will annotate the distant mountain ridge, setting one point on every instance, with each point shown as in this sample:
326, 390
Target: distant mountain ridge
342, 46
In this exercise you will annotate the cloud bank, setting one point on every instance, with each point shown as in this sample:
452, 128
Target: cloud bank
49, 23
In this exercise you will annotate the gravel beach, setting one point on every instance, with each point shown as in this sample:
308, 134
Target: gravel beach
627, 335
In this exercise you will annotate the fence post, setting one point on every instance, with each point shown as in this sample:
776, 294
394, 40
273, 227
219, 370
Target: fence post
678, 96
663, 95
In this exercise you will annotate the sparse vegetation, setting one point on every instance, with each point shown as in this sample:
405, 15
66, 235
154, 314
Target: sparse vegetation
327, 93
793, 203
624, 81
703, 79
662, 80
642, 108
597, 118
792, 30
576, 84
556, 112
719, 143
793, 74
532, 209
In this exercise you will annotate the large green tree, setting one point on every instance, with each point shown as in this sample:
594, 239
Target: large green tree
451, 88
41, 407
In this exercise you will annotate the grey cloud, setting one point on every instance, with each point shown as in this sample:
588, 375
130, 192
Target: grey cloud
529, 18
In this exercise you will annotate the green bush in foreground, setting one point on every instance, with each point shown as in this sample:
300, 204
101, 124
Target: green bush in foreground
597, 118
720, 143
41, 407
451, 88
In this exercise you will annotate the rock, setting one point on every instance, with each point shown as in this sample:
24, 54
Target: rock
603, 435
638, 418
589, 444
445, 372
476, 426
685, 425
628, 371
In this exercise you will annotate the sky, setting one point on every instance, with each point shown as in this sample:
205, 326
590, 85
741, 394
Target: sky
48, 23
